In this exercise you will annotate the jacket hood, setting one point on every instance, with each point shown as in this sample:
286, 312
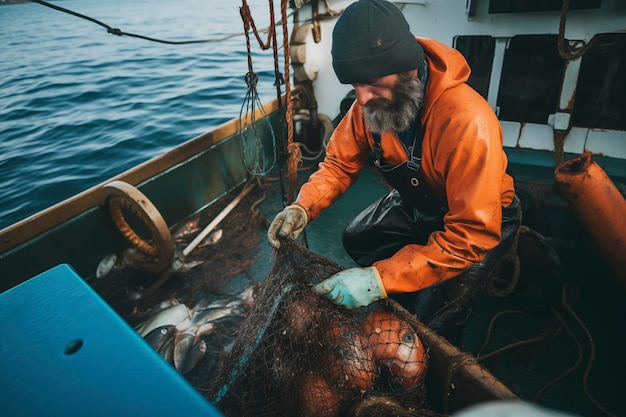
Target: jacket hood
447, 68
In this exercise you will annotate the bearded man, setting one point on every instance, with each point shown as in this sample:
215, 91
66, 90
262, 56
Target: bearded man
434, 240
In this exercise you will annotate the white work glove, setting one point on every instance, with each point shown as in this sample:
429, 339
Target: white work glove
288, 223
352, 288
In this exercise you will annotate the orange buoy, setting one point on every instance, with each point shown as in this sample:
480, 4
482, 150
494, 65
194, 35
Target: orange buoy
600, 207
396, 345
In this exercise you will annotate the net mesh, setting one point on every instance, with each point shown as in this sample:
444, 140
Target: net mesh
297, 354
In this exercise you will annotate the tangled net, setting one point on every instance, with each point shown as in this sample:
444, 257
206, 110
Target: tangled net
297, 354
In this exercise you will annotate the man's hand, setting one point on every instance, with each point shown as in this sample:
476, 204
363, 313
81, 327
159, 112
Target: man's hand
352, 288
288, 223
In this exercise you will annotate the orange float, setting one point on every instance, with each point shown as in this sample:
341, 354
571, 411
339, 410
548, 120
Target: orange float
351, 362
318, 398
396, 345
600, 207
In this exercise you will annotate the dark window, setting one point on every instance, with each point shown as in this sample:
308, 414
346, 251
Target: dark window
601, 92
478, 51
531, 81
512, 6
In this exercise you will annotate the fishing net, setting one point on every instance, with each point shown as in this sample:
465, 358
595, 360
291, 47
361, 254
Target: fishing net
297, 354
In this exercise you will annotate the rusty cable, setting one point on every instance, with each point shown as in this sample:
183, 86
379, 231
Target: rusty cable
293, 149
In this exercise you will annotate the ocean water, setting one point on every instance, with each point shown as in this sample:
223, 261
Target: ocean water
79, 105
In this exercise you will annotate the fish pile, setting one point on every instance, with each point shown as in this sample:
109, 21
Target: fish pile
175, 331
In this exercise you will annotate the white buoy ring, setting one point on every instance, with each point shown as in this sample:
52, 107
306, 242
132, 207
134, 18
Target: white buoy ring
120, 198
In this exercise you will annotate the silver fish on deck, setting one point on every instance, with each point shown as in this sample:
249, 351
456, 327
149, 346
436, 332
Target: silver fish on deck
187, 229
174, 315
106, 265
159, 336
211, 314
212, 238
193, 357
175, 331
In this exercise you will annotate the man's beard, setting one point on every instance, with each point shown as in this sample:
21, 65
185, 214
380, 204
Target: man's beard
397, 114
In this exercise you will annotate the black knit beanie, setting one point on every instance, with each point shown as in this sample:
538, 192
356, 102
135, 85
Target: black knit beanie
372, 39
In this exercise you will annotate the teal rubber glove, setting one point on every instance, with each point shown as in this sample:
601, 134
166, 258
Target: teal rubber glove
288, 223
352, 288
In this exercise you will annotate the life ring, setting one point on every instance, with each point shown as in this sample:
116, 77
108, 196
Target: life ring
120, 197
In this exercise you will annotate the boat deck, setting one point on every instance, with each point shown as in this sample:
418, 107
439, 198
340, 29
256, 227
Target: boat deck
565, 356
560, 341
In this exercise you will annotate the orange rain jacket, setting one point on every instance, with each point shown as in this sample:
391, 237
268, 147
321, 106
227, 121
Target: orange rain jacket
462, 158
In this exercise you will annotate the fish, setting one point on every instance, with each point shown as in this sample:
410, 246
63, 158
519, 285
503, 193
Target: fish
106, 265
211, 314
176, 331
245, 298
193, 357
154, 310
167, 350
188, 346
188, 266
159, 336
174, 315
231, 322
182, 346
212, 238
187, 229
203, 330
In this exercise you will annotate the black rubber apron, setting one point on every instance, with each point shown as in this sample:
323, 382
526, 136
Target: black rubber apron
408, 214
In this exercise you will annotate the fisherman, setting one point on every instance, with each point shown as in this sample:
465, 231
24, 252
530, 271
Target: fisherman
434, 240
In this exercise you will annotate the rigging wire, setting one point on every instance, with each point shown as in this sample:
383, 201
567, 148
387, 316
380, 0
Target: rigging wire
254, 153
119, 32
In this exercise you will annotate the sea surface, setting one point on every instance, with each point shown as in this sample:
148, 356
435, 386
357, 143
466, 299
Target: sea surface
79, 105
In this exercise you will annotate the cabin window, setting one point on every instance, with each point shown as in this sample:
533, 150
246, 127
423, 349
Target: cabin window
532, 75
509, 6
601, 86
478, 51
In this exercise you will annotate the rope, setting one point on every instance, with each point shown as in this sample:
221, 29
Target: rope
511, 257
559, 145
254, 154
455, 363
547, 334
592, 351
567, 51
572, 368
293, 150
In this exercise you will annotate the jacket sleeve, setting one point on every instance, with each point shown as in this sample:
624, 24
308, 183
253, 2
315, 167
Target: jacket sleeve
346, 155
463, 158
